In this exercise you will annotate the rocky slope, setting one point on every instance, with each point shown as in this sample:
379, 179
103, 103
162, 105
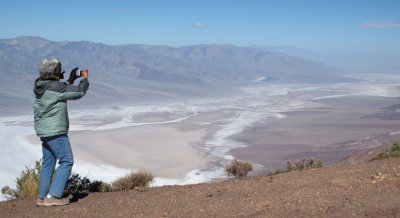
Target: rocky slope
366, 189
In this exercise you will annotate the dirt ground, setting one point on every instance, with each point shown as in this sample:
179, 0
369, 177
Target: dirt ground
362, 190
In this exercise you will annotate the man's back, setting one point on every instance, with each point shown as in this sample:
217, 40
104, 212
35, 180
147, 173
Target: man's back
50, 105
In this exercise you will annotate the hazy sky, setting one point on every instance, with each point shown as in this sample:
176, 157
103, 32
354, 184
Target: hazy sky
319, 25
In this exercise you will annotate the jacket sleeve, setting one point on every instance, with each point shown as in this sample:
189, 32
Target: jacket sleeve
71, 92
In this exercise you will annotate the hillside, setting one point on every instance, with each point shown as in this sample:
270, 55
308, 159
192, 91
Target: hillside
366, 189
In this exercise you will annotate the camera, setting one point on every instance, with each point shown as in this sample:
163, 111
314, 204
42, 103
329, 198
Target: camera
78, 73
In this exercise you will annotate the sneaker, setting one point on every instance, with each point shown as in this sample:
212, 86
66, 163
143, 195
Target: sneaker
39, 202
55, 201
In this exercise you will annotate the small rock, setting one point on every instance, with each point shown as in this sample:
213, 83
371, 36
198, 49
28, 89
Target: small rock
398, 174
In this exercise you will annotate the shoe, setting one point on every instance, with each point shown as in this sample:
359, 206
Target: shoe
39, 202
55, 201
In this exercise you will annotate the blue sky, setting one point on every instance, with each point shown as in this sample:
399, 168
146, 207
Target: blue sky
319, 25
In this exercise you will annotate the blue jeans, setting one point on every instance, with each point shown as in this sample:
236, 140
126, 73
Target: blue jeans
55, 147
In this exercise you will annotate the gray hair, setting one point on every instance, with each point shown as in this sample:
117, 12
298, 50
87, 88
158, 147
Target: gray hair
50, 68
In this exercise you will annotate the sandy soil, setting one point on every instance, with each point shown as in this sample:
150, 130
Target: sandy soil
338, 128
362, 190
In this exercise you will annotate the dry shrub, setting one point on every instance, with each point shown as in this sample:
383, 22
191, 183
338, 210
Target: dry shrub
289, 166
300, 164
132, 180
306, 164
309, 163
238, 169
99, 186
29, 187
105, 187
27, 183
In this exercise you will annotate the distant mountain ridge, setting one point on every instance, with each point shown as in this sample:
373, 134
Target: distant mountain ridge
162, 63
192, 66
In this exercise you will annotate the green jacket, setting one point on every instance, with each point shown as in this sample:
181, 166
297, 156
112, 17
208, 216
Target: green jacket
50, 105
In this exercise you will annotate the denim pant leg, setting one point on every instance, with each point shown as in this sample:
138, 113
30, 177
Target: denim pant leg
48, 165
62, 150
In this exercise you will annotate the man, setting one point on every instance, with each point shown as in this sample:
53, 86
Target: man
51, 125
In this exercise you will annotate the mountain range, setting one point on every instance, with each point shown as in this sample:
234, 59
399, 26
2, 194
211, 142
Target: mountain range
129, 72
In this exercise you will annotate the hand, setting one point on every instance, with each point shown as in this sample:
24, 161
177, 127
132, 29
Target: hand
62, 75
72, 76
85, 73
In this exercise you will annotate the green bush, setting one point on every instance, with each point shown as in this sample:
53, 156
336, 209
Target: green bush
27, 183
238, 169
317, 165
132, 180
393, 151
8, 192
279, 171
302, 164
